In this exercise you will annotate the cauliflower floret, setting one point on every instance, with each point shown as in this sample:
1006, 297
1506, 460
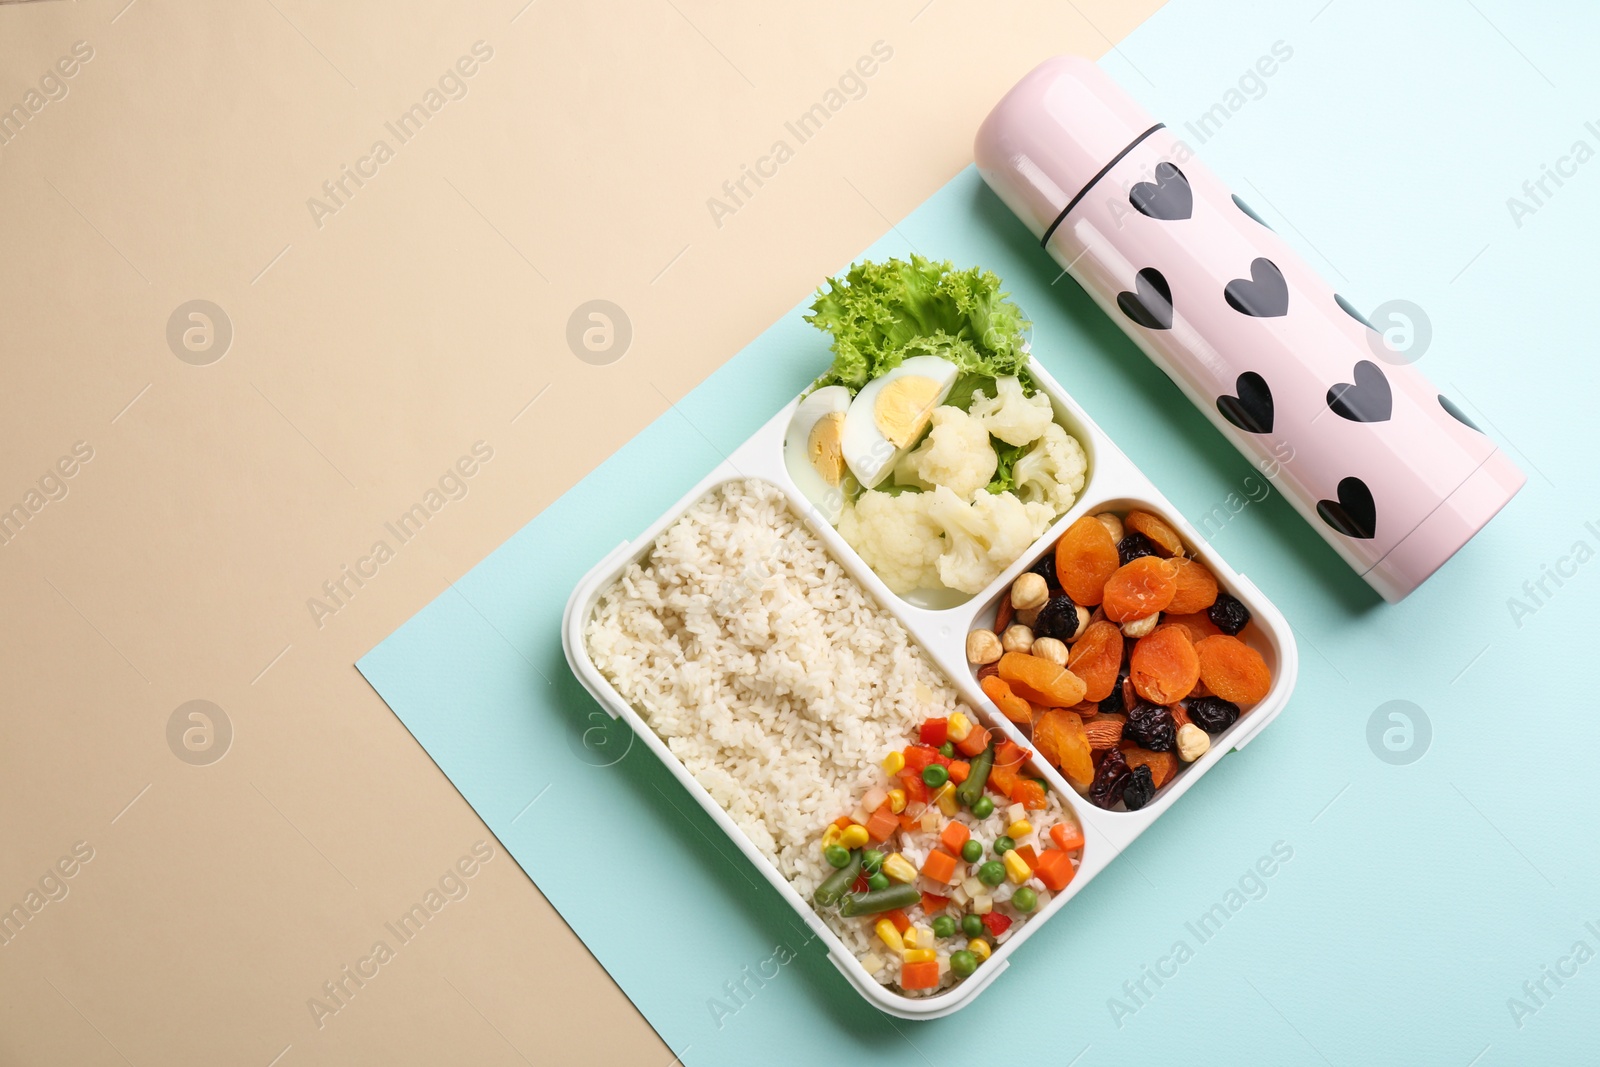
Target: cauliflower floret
984, 537
895, 536
1010, 416
1052, 471
956, 453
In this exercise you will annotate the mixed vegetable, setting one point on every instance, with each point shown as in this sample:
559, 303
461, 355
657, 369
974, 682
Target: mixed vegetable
947, 854
927, 442
1122, 697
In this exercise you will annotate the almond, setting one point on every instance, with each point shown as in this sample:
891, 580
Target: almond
1103, 732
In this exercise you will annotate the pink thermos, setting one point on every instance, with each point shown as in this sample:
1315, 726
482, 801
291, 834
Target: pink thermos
1386, 468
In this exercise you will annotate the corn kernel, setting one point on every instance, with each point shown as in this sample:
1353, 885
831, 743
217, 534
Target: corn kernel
911, 938
854, 836
899, 868
872, 962
895, 762
982, 905
1017, 868
830, 836
1019, 829
897, 800
979, 948
919, 955
945, 798
958, 728
930, 821
889, 935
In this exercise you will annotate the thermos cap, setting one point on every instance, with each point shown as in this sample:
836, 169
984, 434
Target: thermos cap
1060, 128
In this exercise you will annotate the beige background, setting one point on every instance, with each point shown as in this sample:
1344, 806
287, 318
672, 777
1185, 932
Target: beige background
368, 354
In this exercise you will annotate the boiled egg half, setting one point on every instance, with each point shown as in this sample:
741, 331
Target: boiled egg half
813, 450
889, 414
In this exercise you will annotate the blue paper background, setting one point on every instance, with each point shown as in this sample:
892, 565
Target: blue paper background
1420, 898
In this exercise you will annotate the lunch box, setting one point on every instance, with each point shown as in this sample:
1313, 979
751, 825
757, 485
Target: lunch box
1112, 483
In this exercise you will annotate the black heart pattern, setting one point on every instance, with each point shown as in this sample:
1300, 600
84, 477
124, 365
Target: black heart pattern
1168, 198
1354, 514
1252, 409
1369, 399
1151, 306
1248, 210
1263, 295
1456, 413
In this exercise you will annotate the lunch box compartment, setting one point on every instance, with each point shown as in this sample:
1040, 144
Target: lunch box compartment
1112, 483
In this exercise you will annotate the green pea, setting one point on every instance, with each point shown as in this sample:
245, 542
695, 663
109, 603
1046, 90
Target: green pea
983, 807
836, 855
934, 775
963, 963
947, 750
972, 851
878, 880
1024, 899
972, 925
992, 873
944, 927
872, 861
1003, 844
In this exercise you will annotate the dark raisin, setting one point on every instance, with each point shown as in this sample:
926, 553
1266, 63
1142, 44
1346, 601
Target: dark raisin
1046, 569
1114, 704
1106, 789
1151, 726
1212, 714
1228, 615
1058, 619
1139, 789
1135, 545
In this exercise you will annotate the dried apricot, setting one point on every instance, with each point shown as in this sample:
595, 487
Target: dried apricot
1086, 557
1060, 738
1197, 588
1164, 665
1199, 624
1011, 706
1233, 670
1096, 657
1140, 589
1040, 681
1164, 537
1163, 765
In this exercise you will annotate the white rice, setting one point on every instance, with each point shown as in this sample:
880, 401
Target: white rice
765, 668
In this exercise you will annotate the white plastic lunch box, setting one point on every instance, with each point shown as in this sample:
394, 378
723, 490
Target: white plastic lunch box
1113, 483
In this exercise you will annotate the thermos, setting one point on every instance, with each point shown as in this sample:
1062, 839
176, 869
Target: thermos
1384, 466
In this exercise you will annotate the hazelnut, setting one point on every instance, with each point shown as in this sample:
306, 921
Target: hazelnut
1140, 627
1051, 649
1111, 523
983, 647
1029, 591
1193, 742
1017, 638
1028, 616
1083, 623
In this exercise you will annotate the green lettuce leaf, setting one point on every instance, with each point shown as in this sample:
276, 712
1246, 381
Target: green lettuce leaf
879, 314
1008, 455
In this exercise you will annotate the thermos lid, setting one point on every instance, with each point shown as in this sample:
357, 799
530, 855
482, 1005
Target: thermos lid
1059, 129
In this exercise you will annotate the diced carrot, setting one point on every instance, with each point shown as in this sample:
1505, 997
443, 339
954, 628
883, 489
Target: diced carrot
1028, 855
959, 769
908, 822
934, 731
901, 920
844, 822
933, 904
1003, 779
976, 741
1029, 793
921, 975
1011, 706
954, 836
882, 824
1010, 754
940, 866
1054, 869
1066, 837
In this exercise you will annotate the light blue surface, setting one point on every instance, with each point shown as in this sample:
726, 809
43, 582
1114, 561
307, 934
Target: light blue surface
1420, 898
